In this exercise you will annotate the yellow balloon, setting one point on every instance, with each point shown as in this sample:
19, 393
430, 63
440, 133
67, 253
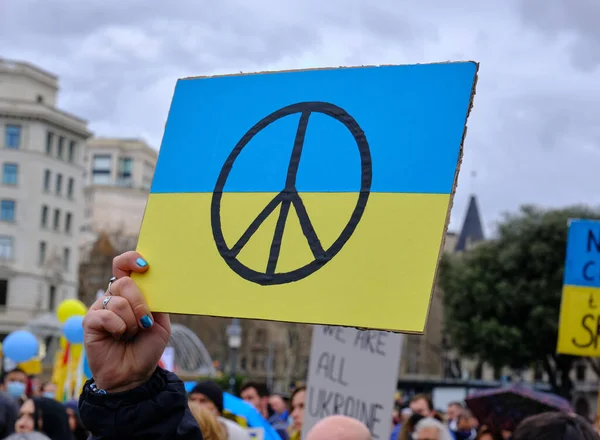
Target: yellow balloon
63, 342
68, 308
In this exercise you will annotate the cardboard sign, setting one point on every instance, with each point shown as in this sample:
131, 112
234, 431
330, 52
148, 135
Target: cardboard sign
579, 328
354, 373
329, 185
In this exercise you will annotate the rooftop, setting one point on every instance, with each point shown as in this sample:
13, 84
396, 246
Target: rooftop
121, 143
23, 68
472, 230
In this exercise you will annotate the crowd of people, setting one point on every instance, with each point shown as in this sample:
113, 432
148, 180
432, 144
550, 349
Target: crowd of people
420, 421
27, 408
131, 397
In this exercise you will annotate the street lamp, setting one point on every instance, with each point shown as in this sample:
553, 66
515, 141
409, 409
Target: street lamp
234, 340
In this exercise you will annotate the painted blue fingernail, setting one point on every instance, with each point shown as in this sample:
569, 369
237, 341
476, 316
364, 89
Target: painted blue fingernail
141, 262
146, 321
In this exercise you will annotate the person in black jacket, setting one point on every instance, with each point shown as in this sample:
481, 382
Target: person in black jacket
130, 397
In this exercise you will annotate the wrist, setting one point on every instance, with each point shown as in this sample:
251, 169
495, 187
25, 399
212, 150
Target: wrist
100, 387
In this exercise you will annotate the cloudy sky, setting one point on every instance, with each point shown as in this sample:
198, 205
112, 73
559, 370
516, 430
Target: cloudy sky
534, 133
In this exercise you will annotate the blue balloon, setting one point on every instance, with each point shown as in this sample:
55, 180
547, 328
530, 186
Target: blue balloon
73, 329
86, 368
20, 346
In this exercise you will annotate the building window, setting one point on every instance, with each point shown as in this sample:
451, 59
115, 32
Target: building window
47, 180
12, 138
42, 255
101, 169
52, 298
71, 156
124, 171
7, 210
56, 219
61, 147
58, 184
44, 216
49, 142
9, 173
70, 188
6, 247
68, 221
66, 258
3, 292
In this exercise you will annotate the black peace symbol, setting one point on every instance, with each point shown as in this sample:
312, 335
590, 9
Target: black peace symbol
289, 196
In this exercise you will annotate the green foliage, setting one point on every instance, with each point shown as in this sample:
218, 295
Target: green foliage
502, 298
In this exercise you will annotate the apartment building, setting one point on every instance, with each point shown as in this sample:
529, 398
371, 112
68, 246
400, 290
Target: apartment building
117, 181
42, 150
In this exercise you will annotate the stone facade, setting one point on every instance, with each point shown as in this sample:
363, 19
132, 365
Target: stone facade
42, 150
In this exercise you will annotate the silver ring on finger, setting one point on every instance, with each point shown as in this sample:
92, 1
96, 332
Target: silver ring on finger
105, 302
112, 280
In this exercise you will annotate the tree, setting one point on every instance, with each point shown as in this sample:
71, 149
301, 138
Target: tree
502, 298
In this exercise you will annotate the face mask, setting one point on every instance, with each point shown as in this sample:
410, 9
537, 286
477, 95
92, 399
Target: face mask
15, 389
48, 394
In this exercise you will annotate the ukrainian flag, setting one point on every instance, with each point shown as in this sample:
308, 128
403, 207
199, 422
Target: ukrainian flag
316, 196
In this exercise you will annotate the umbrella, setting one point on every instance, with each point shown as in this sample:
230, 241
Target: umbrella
238, 407
505, 408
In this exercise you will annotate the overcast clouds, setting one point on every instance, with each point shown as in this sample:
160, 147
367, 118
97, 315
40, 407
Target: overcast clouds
534, 135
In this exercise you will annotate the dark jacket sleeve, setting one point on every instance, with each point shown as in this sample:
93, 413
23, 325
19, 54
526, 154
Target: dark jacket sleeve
156, 410
8, 415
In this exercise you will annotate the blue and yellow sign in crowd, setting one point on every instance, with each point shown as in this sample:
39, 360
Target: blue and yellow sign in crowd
330, 185
579, 329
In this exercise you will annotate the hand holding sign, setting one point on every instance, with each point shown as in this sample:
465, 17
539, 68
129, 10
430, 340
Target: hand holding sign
123, 340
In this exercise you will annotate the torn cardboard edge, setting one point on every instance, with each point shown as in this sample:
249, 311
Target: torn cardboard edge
310, 69
452, 194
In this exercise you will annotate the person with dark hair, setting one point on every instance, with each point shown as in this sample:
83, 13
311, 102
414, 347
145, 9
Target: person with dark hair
257, 395
486, 433
75, 424
555, 426
421, 404
46, 416
14, 383
8, 414
408, 427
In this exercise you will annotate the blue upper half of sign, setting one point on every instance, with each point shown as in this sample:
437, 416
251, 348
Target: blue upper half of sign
413, 118
582, 265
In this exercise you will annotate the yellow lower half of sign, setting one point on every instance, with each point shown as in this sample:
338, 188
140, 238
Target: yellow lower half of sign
579, 328
381, 278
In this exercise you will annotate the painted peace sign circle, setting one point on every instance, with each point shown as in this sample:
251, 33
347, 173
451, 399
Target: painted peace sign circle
289, 196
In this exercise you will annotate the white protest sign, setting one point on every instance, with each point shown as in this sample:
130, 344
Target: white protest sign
354, 373
167, 360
